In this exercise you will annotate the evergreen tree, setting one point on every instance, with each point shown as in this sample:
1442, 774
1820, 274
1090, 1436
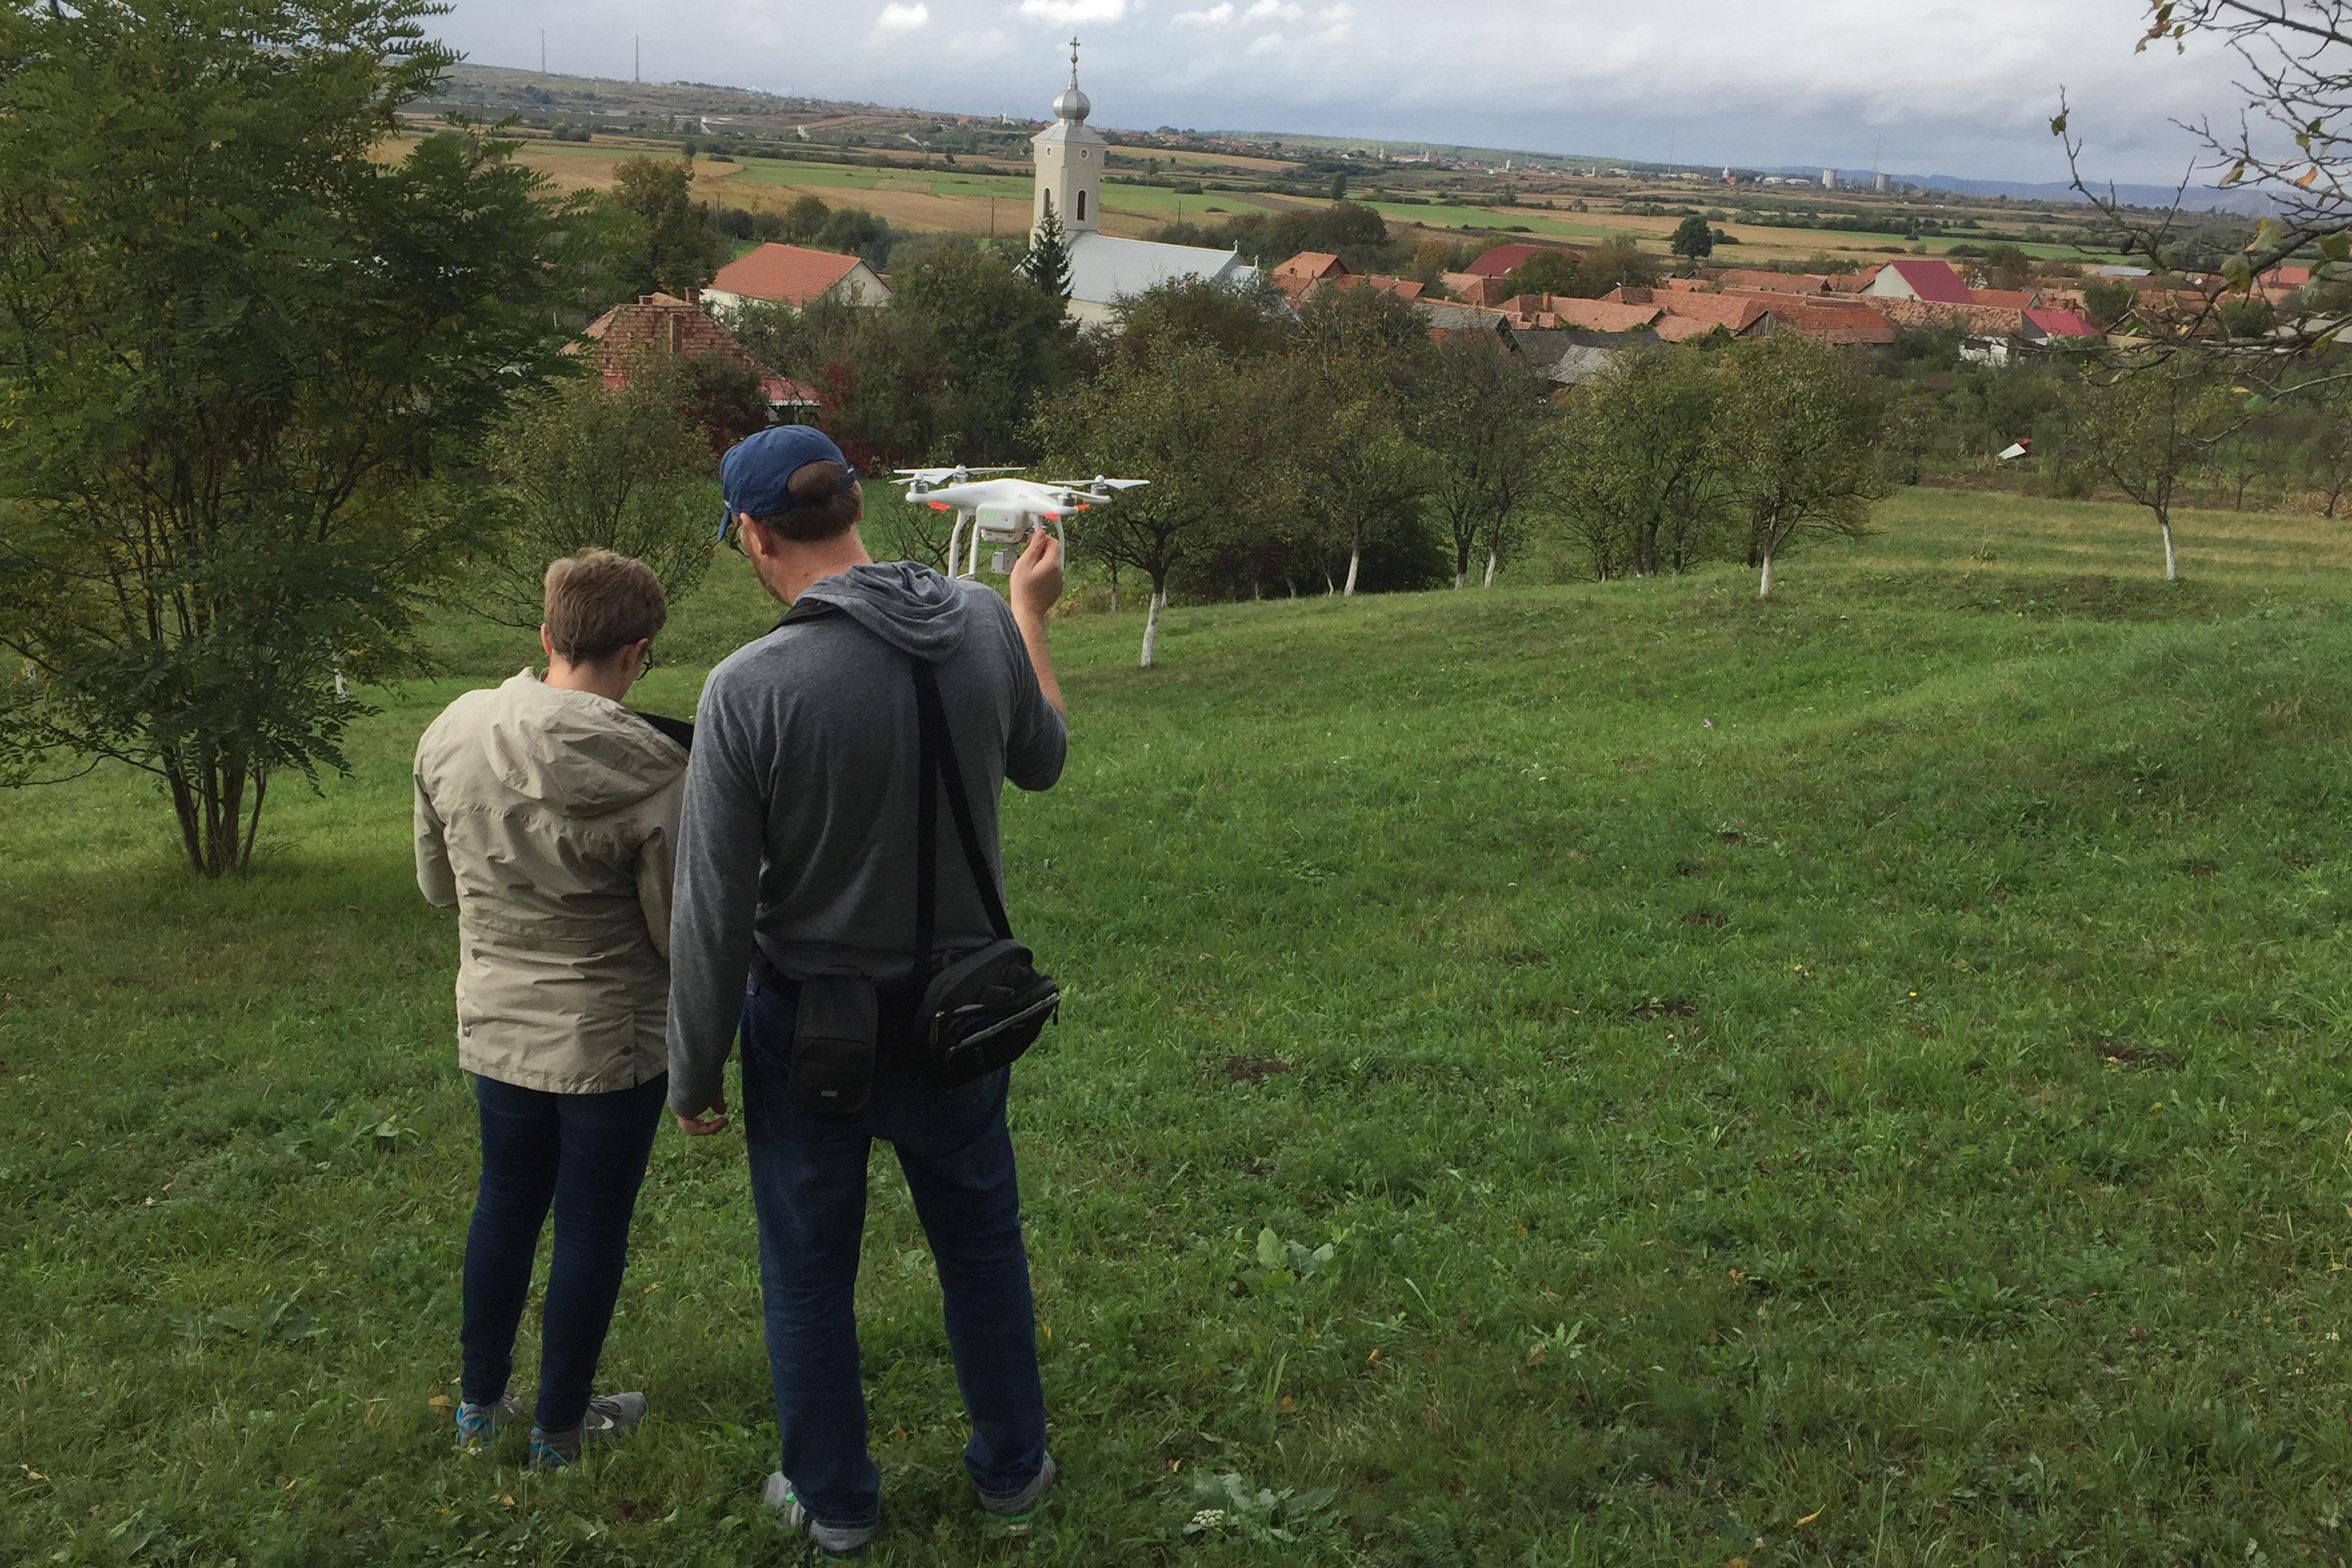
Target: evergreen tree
1047, 265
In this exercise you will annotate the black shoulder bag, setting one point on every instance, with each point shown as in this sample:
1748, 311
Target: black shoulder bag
979, 1011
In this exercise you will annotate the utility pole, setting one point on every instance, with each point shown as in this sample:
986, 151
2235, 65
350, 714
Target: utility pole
542, 52
637, 69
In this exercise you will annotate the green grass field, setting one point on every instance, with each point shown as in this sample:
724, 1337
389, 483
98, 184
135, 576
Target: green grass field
1859, 1079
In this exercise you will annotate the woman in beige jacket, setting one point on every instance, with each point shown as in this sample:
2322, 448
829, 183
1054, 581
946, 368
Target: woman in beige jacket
547, 816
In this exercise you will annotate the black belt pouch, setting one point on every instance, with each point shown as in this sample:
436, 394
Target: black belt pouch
833, 1035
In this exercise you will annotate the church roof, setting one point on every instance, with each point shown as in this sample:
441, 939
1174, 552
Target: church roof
1104, 267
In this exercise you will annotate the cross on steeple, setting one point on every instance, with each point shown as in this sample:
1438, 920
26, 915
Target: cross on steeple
1073, 60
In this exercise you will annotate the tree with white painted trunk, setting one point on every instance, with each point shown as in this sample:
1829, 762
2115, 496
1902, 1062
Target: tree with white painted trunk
1357, 362
1182, 419
1480, 411
2148, 427
1636, 465
1798, 433
1352, 468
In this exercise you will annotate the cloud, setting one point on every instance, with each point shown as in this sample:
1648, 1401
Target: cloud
1266, 44
1063, 13
896, 18
1273, 10
1217, 16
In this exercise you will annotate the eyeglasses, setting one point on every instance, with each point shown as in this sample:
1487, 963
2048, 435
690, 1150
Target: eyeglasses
647, 668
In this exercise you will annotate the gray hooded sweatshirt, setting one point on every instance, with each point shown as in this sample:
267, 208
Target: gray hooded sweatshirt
799, 827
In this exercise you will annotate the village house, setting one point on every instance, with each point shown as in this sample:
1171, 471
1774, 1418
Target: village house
1934, 281
1505, 258
658, 328
795, 276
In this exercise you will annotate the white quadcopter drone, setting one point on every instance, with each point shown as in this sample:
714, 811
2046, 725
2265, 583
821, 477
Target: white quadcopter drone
1002, 511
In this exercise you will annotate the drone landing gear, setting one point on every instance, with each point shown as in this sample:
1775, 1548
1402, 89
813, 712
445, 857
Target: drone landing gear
964, 540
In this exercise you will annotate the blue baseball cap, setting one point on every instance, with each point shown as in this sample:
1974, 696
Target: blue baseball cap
756, 475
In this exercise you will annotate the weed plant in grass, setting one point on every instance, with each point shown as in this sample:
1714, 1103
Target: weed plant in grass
1549, 1075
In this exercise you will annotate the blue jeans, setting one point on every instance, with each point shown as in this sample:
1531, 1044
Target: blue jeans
584, 1155
808, 1184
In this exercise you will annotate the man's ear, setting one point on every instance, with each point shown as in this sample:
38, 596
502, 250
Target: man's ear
860, 491
546, 643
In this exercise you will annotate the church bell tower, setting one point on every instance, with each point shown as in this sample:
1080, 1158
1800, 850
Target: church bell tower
1070, 163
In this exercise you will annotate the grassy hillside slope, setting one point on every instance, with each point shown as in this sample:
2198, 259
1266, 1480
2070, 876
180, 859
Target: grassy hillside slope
1860, 1079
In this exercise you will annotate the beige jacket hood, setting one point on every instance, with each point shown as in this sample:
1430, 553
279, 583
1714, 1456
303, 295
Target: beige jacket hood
549, 819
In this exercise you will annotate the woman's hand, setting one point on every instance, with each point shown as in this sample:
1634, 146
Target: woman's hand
713, 1120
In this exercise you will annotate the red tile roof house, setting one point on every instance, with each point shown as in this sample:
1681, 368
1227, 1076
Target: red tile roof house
2042, 326
1405, 288
795, 276
1768, 282
1540, 312
1511, 257
1739, 317
664, 327
1472, 289
1304, 273
1934, 281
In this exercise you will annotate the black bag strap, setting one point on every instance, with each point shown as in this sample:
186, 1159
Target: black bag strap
936, 771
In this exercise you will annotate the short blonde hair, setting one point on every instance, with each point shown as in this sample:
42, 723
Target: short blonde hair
598, 603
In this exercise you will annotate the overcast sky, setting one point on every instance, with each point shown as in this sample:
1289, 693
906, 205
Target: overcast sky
1958, 87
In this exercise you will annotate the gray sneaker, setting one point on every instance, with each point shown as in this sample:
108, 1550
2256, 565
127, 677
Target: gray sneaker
840, 1539
477, 1423
1014, 1508
608, 1415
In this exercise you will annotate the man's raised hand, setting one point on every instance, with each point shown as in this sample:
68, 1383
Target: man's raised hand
1037, 585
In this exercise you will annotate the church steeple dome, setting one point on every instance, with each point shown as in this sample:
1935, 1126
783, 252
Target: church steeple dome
1070, 157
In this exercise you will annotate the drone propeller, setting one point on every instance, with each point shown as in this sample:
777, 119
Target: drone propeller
1099, 484
933, 475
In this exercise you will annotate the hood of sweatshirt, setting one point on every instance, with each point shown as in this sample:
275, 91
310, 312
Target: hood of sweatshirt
582, 754
911, 607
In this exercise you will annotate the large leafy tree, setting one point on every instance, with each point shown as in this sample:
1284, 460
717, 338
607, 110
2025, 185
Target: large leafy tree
1184, 419
1479, 412
1800, 429
2147, 429
675, 248
1345, 443
236, 346
1640, 468
1693, 238
579, 464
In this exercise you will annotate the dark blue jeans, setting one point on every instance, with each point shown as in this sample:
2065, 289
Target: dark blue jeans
584, 1155
808, 1184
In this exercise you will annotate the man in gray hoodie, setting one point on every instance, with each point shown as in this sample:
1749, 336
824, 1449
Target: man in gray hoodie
796, 859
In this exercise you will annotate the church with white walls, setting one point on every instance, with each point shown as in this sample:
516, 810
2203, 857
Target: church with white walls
1070, 156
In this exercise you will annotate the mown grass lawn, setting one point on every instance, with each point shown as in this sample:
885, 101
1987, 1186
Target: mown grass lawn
1858, 1079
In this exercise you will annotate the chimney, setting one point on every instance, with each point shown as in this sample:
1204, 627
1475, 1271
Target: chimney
676, 333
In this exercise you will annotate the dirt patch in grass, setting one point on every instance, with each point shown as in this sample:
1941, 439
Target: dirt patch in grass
1663, 1008
1254, 1069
